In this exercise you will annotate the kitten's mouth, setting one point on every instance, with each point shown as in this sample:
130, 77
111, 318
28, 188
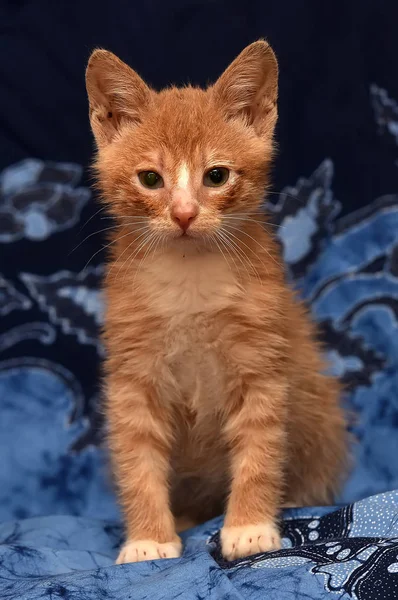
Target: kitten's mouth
185, 235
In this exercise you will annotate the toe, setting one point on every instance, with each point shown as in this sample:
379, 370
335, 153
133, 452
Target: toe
237, 542
141, 550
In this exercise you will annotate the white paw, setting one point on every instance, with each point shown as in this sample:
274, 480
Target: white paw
237, 542
139, 550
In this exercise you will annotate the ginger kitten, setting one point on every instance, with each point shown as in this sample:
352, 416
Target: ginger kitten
215, 393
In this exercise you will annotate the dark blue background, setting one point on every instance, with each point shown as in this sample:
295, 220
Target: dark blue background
329, 52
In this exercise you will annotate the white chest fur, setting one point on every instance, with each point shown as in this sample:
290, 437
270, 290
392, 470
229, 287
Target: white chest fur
182, 284
189, 291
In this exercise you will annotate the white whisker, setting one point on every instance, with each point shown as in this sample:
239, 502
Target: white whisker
131, 219
231, 248
161, 239
254, 240
232, 235
107, 246
154, 242
220, 249
240, 252
97, 232
283, 193
92, 217
142, 245
146, 229
246, 217
228, 247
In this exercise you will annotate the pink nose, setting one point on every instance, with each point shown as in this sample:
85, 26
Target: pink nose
184, 215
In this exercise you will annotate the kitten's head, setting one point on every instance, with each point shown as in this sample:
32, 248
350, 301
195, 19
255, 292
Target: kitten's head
182, 160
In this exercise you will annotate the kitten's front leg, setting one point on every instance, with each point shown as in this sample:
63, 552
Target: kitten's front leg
257, 441
140, 440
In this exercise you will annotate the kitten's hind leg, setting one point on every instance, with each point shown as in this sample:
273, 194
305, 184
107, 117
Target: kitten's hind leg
318, 458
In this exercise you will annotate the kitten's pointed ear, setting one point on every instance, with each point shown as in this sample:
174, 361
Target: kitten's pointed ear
116, 95
249, 88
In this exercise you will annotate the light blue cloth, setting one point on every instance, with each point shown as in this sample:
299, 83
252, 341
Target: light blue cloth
352, 552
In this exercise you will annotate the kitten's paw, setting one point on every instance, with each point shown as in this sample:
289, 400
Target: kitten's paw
238, 542
139, 550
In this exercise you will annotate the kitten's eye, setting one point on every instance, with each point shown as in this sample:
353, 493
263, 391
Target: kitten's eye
216, 177
150, 179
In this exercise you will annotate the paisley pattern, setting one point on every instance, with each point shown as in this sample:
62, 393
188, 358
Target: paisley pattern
352, 551
72, 300
39, 199
11, 299
59, 522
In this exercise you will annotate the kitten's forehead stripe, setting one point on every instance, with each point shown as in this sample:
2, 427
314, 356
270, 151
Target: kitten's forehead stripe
183, 176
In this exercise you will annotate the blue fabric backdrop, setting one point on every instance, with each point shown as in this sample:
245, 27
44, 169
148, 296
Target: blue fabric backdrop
335, 201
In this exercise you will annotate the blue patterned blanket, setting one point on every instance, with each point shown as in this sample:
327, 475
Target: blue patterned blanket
51, 459
352, 551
